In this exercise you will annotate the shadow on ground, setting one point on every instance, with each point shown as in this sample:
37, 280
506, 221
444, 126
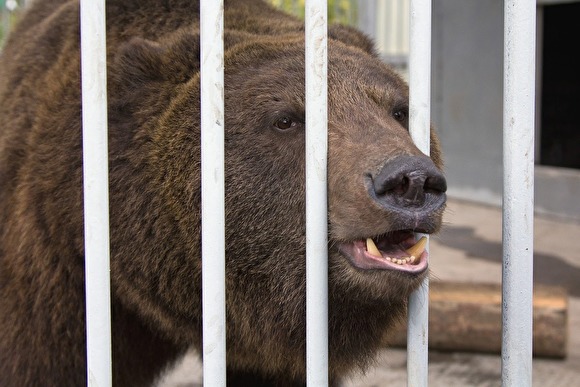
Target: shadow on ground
548, 269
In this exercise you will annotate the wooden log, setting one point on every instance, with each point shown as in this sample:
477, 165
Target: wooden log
467, 317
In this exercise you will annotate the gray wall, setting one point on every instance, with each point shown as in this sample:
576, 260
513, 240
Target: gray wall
467, 93
467, 107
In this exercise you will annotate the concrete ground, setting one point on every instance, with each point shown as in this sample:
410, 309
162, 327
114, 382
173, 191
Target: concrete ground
469, 250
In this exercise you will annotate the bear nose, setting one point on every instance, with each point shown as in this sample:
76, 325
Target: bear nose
411, 182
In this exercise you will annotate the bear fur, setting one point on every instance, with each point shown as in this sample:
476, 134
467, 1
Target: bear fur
154, 164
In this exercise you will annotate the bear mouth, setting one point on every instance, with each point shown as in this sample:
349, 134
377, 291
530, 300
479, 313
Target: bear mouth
395, 250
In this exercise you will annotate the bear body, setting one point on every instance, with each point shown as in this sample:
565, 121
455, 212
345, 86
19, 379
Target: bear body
380, 187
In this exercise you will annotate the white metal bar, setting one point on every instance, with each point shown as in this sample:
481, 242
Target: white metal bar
419, 126
96, 192
212, 192
316, 194
518, 195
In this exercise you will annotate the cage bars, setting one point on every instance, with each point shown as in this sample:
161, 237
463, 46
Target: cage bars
96, 192
212, 192
518, 191
419, 127
316, 193
519, 68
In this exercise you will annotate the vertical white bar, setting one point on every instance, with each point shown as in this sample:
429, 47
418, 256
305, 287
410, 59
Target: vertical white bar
419, 126
212, 192
518, 195
96, 191
316, 199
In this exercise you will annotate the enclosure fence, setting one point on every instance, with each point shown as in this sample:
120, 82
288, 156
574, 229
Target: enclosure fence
419, 127
96, 192
519, 91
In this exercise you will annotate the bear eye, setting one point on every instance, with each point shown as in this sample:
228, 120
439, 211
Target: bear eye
284, 123
400, 115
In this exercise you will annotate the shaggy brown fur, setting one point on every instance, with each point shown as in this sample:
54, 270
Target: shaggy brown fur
153, 49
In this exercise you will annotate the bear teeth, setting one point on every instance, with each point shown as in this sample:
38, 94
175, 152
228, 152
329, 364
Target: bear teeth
414, 251
417, 249
372, 248
402, 261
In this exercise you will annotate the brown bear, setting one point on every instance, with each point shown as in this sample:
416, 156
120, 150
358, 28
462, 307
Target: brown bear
381, 190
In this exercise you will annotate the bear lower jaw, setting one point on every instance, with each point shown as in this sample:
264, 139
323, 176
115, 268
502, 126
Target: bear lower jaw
396, 251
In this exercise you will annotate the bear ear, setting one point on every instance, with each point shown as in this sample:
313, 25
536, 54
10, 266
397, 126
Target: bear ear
140, 60
352, 37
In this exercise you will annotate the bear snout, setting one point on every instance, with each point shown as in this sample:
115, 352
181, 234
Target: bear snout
409, 183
